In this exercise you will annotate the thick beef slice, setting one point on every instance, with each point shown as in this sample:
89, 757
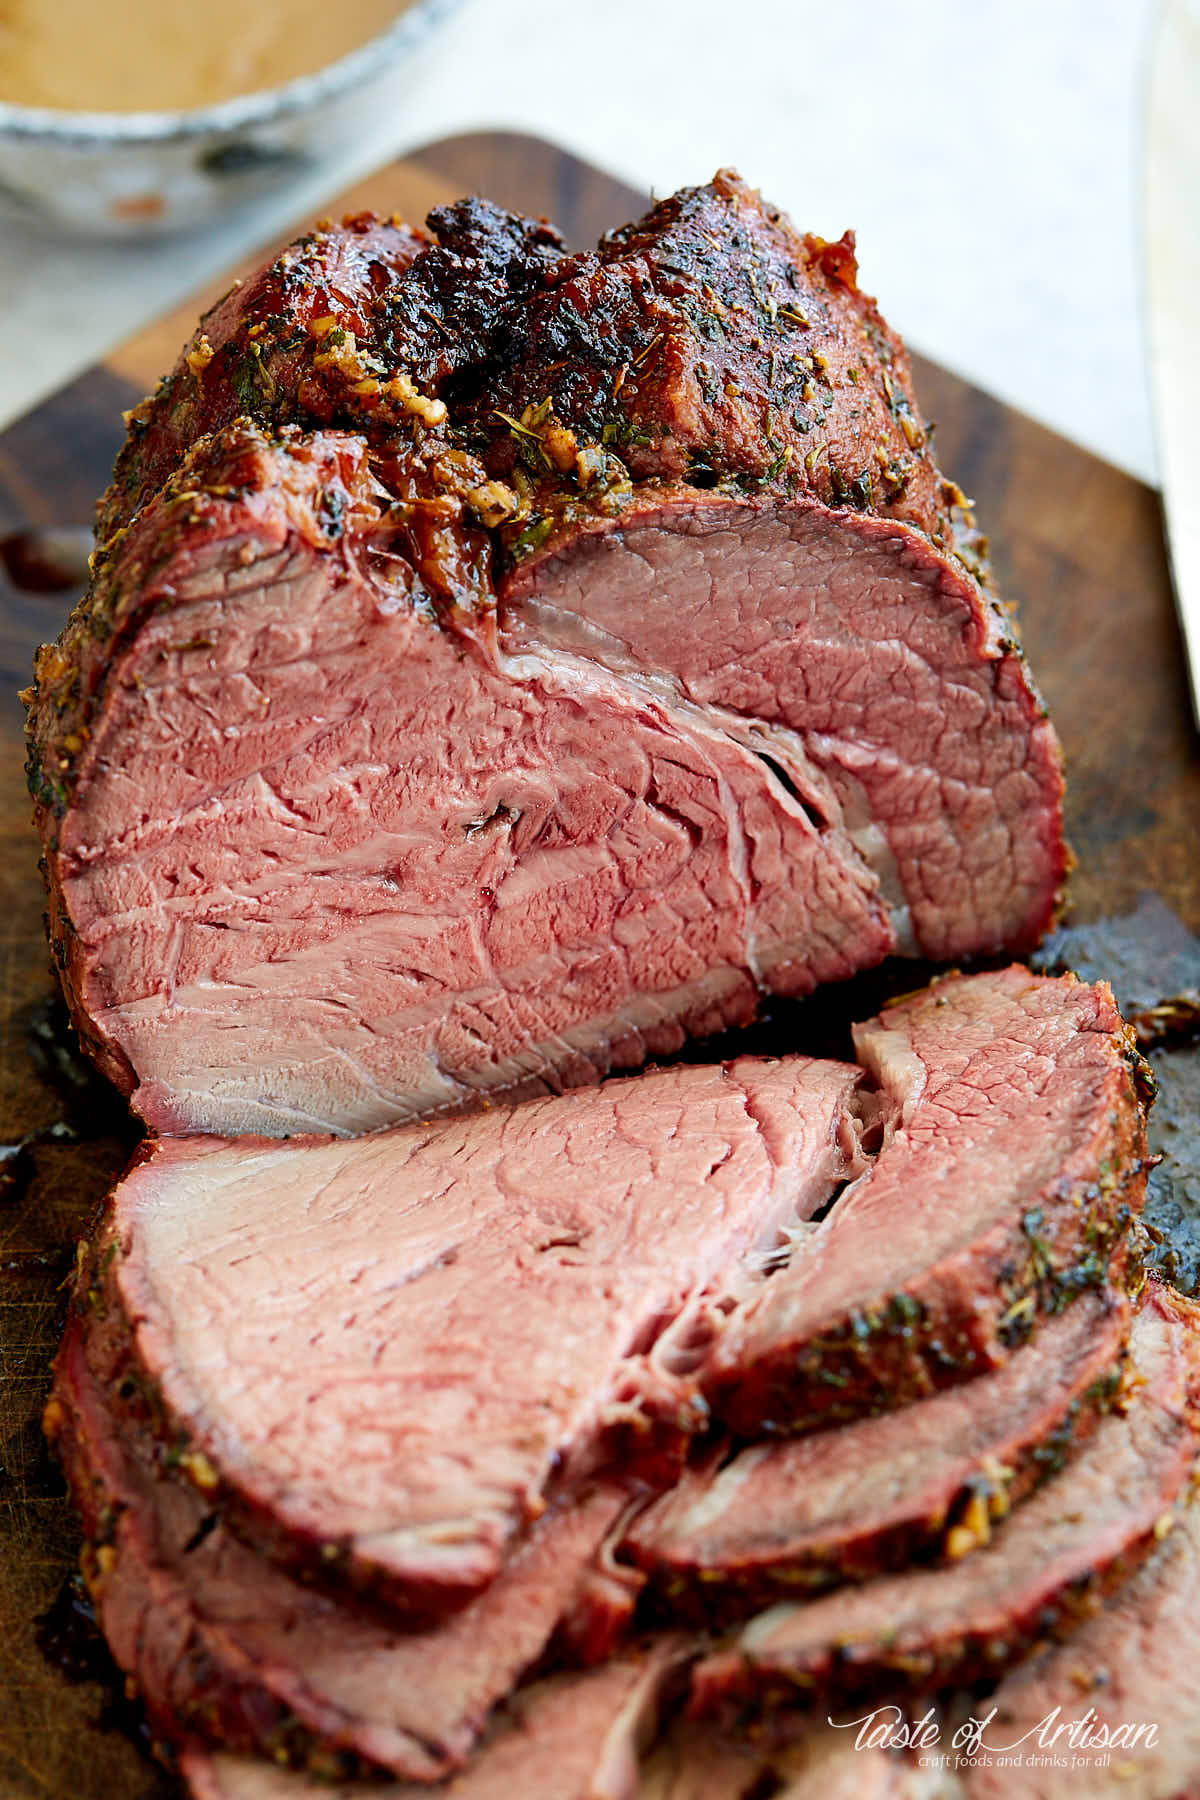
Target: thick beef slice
316, 861
567, 1737
1042, 1572
926, 1482
1116, 1705
866, 664
382, 1351
1002, 1192
224, 1645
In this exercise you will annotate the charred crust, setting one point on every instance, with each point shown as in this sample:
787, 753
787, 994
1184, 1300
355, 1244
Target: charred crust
711, 343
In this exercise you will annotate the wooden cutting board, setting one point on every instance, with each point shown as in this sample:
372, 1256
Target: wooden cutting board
1076, 544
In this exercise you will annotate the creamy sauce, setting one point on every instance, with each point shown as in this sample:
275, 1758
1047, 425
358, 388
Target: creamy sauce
156, 55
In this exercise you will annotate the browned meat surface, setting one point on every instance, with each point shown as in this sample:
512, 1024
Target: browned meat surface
273, 348
1007, 1184
1043, 1571
711, 340
481, 1305
929, 1481
452, 317
354, 324
338, 831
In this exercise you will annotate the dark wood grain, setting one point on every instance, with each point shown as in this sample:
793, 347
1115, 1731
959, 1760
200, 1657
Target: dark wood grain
1075, 543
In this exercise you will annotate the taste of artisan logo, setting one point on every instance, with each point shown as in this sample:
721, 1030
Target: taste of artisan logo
1055, 1740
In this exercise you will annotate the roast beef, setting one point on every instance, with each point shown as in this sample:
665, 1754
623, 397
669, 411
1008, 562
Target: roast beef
375, 1355
469, 749
292, 890
223, 1645
567, 1737
340, 328
1112, 1712
1042, 1572
1016, 1157
928, 1481
653, 1217
262, 351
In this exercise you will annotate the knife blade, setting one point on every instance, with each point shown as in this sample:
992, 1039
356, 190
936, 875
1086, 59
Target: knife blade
1173, 293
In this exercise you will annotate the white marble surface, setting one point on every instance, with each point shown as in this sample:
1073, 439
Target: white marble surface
988, 152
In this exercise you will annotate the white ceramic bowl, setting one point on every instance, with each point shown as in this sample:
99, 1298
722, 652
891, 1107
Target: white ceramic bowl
138, 174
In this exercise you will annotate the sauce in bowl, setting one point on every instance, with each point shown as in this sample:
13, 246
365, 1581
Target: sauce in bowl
160, 56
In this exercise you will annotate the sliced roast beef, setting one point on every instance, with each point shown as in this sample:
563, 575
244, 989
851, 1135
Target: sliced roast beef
1042, 1572
330, 842
1016, 1160
928, 1481
1112, 1712
567, 1737
376, 1354
222, 1644
596, 1207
